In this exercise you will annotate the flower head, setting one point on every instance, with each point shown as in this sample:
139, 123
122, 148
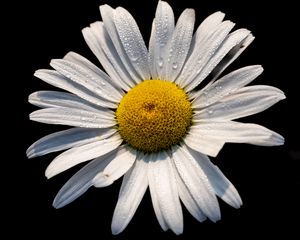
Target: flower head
146, 119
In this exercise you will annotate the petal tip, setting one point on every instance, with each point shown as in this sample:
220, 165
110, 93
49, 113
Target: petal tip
57, 203
29, 153
49, 173
115, 230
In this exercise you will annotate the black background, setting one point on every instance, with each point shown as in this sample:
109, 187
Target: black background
267, 179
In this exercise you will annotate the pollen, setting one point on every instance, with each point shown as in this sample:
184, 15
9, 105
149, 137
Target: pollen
154, 116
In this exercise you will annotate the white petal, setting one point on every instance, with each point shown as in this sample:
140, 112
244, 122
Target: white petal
133, 188
196, 182
221, 185
81, 154
227, 85
162, 30
56, 79
98, 74
233, 54
103, 39
132, 41
81, 181
47, 99
67, 139
211, 22
92, 38
205, 28
155, 201
116, 168
244, 102
188, 199
98, 83
178, 46
204, 144
205, 48
162, 181
107, 14
153, 62
74, 117
229, 131
229, 43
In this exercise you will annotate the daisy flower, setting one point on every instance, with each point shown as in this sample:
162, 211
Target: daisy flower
147, 118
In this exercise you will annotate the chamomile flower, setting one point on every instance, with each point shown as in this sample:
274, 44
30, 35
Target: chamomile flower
147, 119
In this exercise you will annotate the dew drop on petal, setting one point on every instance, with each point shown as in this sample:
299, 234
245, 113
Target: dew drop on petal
160, 62
174, 66
98, 90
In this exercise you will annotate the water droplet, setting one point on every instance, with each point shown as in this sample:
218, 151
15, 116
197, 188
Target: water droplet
103, 83
210, 112
160, 62
68, 76
134, 58
174, 65
98, 90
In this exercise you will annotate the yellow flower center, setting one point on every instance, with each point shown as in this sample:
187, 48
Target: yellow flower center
154, 115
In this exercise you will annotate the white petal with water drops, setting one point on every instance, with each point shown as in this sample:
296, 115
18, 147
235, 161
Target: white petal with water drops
132, 41
206, 47
204, 29
232, 55
81, 154
96, 83
230, 42
226, 85
81, 61
58, 80
154, 197
221, 185
204, 144
162, 30
162, 181
116, 168
91, 36
107, 14
230, 131
188, 200
134, 185
81, 181
244, 102
178, 45
124, 77
62, 140
74, 117
196, 182
48, 99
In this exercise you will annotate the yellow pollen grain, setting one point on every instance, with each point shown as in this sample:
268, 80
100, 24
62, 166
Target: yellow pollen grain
154, 115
